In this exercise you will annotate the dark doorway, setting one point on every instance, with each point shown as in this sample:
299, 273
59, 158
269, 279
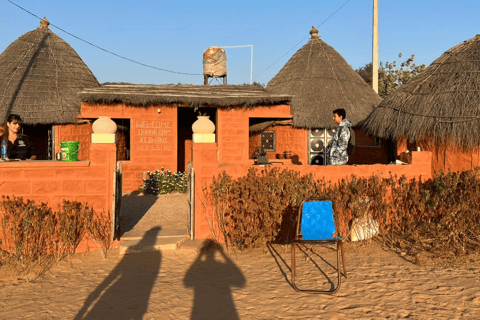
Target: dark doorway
41, 137
123, 138
186, 116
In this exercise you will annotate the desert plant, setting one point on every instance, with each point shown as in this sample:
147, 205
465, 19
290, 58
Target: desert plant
35, 237
100, 231
440, 216
28, 235
164, 181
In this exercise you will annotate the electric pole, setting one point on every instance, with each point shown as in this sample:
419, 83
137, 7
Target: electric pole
375, 47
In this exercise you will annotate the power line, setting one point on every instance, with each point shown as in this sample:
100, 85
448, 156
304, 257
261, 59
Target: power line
117, 55
303, 39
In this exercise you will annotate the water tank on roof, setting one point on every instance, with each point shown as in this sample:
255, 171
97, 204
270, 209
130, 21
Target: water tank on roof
214, 63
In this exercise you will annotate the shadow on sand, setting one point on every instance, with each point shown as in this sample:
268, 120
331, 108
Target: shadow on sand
134, 207
212, 276
125, 293
309, 260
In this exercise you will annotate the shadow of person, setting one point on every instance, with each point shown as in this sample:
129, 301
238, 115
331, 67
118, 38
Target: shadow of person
124, 294
212, 275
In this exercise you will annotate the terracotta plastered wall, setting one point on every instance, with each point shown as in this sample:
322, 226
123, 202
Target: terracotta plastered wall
153, 138
445, 157
366, 152
75, 132
232, 129
232, 135
287, 138
207, 167
51, 182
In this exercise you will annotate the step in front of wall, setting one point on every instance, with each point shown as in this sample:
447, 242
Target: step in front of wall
139, 241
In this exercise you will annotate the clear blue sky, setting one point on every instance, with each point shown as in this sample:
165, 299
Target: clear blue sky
173, 34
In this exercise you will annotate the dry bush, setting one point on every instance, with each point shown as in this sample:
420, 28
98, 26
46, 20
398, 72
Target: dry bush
35, 237
100, 231
28, 235
440, 216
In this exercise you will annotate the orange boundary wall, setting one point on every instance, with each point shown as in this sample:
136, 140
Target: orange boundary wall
153, 137
207, 166
51, 182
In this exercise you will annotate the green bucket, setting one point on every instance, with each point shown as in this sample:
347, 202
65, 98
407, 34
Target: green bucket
69, 150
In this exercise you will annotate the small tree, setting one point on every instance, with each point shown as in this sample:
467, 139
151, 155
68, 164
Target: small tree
390, 76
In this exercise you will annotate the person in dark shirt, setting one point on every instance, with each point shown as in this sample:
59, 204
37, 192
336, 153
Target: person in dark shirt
20, 146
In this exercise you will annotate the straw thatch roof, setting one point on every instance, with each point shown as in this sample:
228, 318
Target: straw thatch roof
187, 95
321, 81
441, 103
40, 77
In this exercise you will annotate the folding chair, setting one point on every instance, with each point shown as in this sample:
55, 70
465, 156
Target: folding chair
316, 225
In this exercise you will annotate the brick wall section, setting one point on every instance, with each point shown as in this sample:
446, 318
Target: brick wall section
232, 130
232, 135
75, 132
206, 167
153, 138
51, 182
205, 164
286, 139
365, 150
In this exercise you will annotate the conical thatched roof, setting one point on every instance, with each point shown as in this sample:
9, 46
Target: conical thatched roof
321, 81
441, 103
40, 77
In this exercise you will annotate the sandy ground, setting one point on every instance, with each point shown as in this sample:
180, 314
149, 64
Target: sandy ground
247, 285
142, 212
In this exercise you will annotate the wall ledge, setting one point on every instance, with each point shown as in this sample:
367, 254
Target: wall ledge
44, 163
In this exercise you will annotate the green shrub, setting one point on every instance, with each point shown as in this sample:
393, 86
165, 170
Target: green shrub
164, 182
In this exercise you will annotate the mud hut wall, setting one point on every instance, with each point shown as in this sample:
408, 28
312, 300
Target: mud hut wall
153, 138
207, 167
75, 132
366, 152
51, 182
444, 157
232, 129
287, 138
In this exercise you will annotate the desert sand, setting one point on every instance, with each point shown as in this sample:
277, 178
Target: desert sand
225, 284
254, 284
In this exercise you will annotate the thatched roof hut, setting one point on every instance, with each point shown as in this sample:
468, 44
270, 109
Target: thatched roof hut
321, 81
186, 95
441, 104
40, 77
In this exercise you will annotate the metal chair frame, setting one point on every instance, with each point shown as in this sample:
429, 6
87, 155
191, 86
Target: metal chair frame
298, 240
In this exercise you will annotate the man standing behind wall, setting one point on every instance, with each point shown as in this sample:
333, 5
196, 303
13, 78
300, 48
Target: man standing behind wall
337, 150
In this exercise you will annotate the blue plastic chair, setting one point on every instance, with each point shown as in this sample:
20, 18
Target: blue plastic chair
316, 225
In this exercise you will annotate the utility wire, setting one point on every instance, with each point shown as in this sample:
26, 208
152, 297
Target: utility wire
122, 57
300, 40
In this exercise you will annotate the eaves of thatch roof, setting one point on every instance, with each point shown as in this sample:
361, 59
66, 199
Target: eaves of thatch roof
321, 80
267, 124
186, 95
441, 103
40, 77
